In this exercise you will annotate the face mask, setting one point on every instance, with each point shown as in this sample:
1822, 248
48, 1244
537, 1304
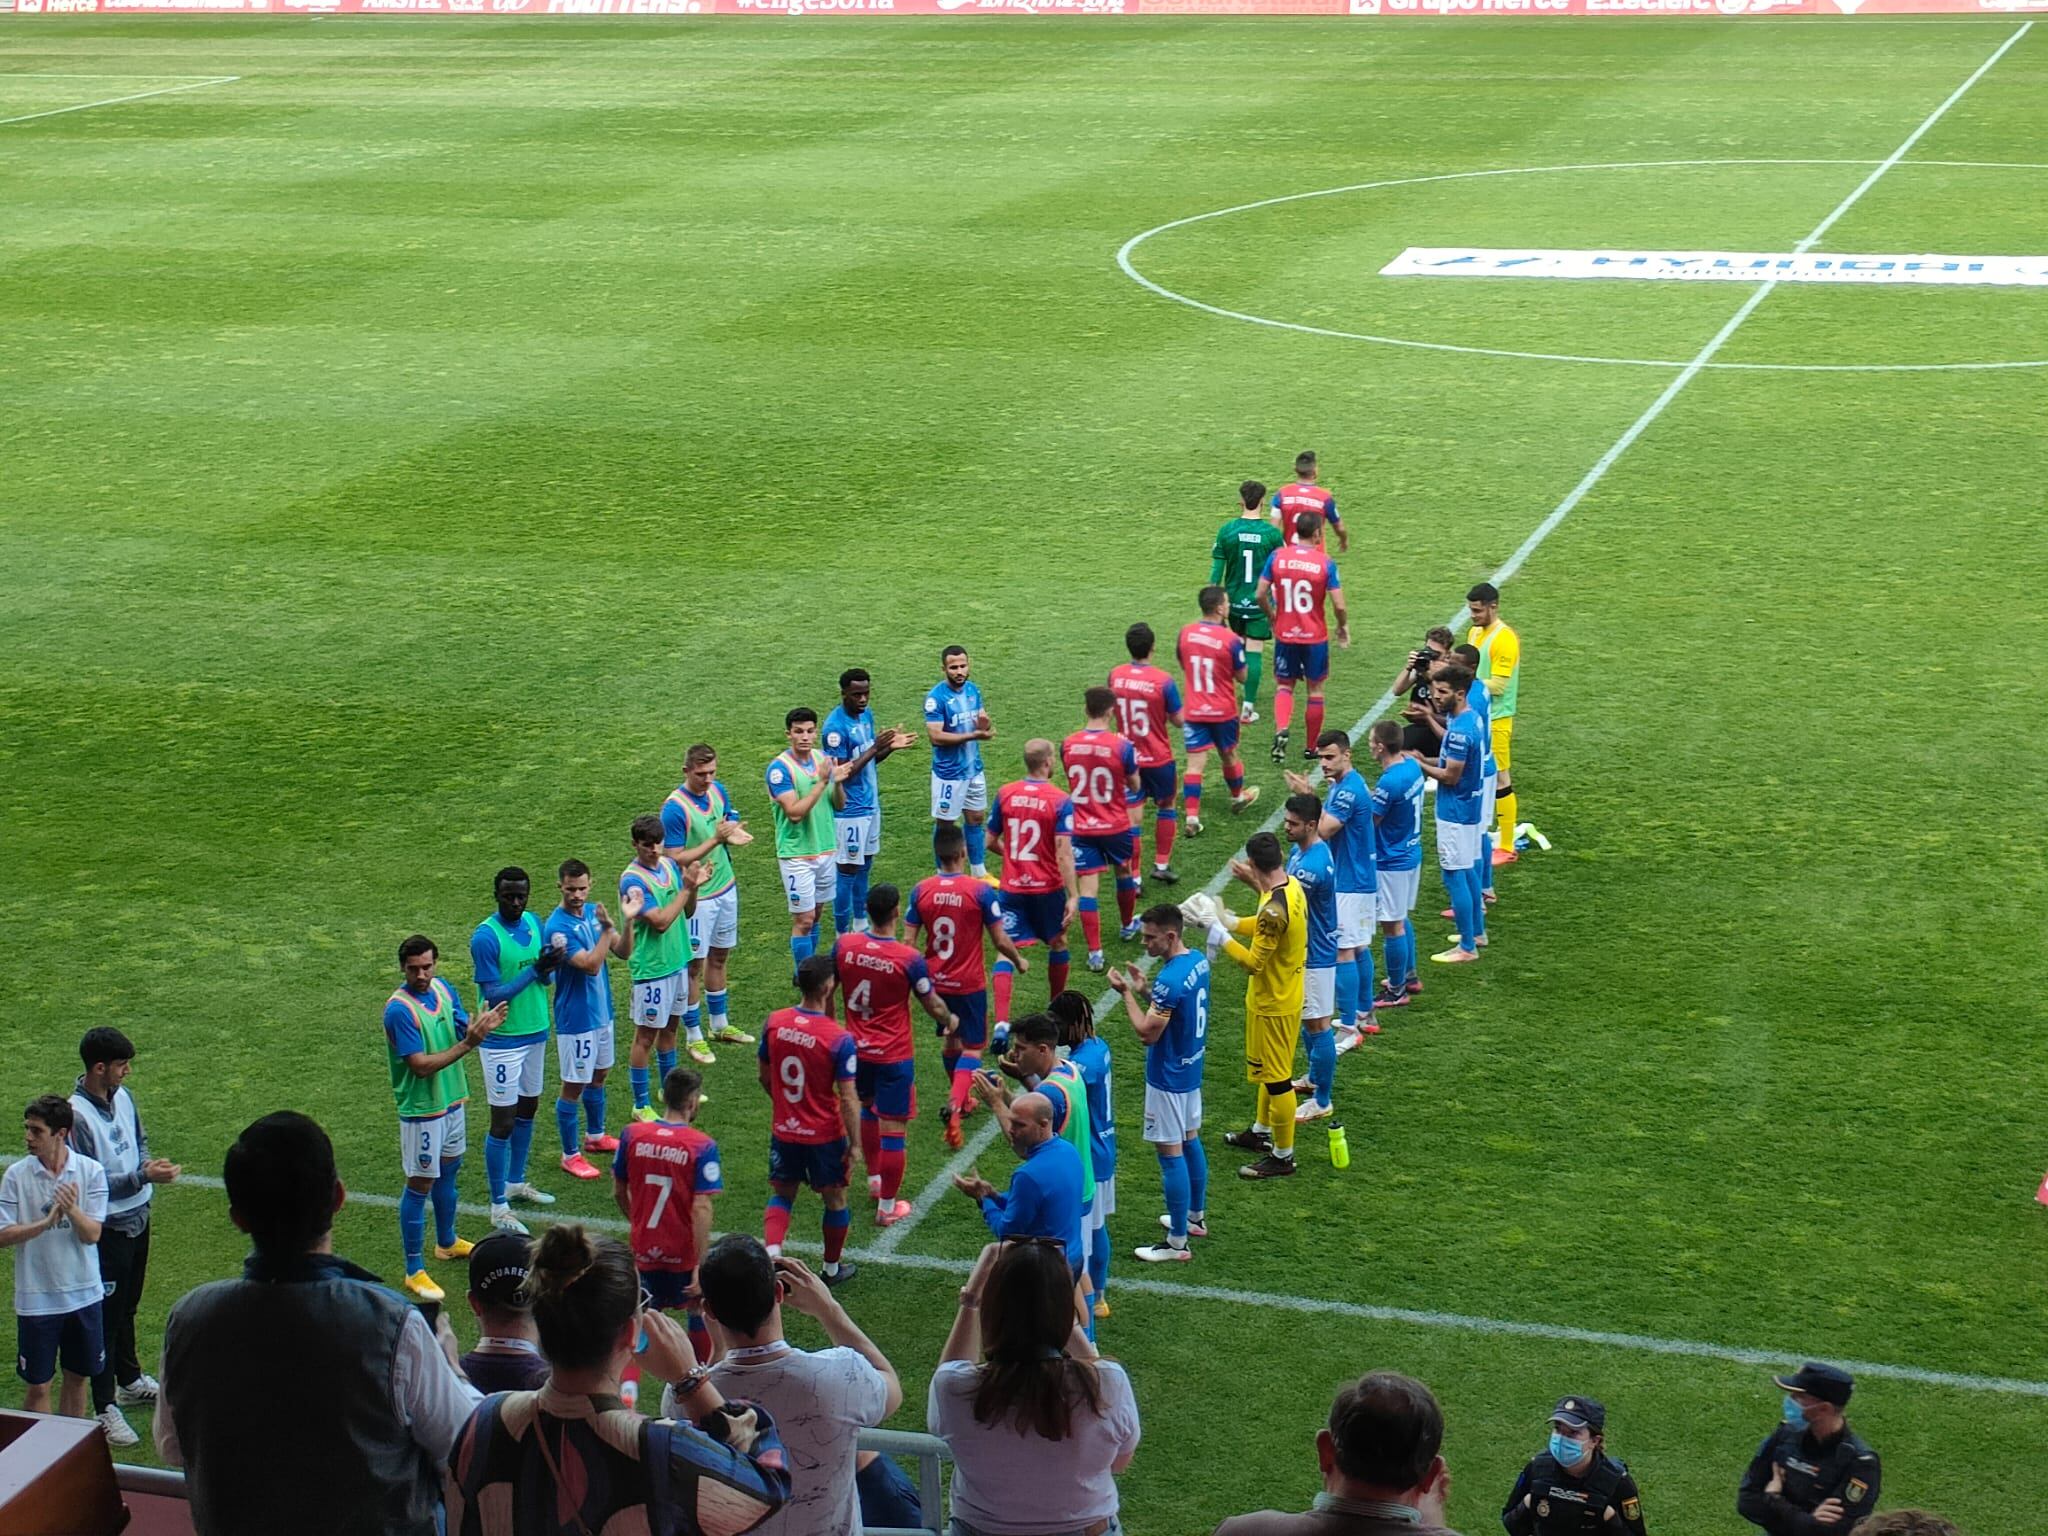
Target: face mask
1565, 1451
1794, 1414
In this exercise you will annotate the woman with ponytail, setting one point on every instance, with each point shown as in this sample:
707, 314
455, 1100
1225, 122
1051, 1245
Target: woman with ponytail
567, 1459
1037, 1424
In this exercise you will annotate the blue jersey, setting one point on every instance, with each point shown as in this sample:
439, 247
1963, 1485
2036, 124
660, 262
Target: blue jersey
495, 987
1397, 809
1316, 868
1173, 1062
1464, 742
1092, 1057
1350, 803
583, 1002
844, 738
1480, 702
953, 709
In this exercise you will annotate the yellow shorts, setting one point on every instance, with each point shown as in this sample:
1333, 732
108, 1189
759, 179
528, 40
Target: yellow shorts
1503, 735
1269, 1040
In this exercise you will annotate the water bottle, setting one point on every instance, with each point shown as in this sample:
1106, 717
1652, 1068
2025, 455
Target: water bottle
1340, 1149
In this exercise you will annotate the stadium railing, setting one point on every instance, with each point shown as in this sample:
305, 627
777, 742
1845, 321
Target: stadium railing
160, 1493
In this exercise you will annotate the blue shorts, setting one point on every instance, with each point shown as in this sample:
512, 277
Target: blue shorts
667, 1287
1035, 918
889, 1088
1159, 785
1111, 852
821, 1165
1201, 735
77, 1338
1294, 661
971, 1009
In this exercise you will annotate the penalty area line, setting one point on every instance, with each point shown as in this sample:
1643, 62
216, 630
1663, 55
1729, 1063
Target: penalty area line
1455, 1322
112, 101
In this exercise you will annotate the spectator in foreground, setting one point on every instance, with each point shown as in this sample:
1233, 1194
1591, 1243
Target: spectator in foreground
1906, 1522
52, 1204
1382, 1471
1813, 1472
507, 1356
1037, 1425
304, 1396
107, 1127
821, 1399
571, 1458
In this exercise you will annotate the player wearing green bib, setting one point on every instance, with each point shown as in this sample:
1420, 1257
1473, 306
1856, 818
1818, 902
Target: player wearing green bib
512, 962
1242, 547
698, 821
659, 965
426, 1035
806, 788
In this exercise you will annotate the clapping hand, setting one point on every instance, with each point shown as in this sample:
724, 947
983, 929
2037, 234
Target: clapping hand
989, 1089
160, 1170
632, 902
1298, 782
973, 1186
1125, 980
483, 1023
700, 873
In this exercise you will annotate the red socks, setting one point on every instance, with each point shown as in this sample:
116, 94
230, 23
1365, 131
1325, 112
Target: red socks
1162, 835
890, 1164
1315, 717
1091, 925
775, 1222
870, 1140
1056, 974
963, 1079
1006, 983
1283, 709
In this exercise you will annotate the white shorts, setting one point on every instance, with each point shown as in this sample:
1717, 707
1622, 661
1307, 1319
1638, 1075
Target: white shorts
1457, 844
1104, 1205
1398, 890
658, 1003
716, 922
809, 882
424, 1145
1486, 802
1355, 911
952, 796
1172, 1118
581, 1057
1319, 992
859, 837
515, 1073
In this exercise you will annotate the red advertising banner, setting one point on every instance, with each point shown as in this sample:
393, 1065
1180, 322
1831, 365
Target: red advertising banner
1383, 8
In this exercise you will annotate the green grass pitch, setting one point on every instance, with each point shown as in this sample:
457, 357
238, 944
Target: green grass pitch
413, 444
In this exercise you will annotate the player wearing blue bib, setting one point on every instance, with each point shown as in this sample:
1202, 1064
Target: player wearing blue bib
1174, 1024
957, 725
1397, 824
1347, 828
850, 737
1460, 774
584, 936
1089, 1053
1314, 867
512, 967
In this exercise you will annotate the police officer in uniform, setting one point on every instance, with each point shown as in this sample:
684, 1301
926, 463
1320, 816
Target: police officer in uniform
1575, 1487
1813, 1475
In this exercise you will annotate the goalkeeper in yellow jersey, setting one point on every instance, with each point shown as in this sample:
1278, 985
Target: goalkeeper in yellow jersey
1278, 965
1500, 669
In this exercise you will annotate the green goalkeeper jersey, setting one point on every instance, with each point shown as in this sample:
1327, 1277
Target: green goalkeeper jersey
1243, 546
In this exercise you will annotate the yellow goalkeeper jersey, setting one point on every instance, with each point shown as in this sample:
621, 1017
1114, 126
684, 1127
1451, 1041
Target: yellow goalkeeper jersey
1278, 956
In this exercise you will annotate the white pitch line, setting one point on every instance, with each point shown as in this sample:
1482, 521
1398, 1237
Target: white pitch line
1457, 1322
112, 101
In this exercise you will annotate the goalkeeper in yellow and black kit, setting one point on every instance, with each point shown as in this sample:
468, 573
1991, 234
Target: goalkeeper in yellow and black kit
1277, 962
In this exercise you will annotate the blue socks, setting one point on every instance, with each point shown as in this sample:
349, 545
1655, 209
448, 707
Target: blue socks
639, 1076
1363, 986
977, 844
1400, 957
1098, 1263
666, 1061
412, 1228
714, 1004
1322, 1064
693, 1022
801, 947
443, 1193
1173, 1175
569, 1124
593, 1108
1463, 886
1486, 861
1197, 1158
497, 1156
859, 900
1347, 992
522, 1148
842, 903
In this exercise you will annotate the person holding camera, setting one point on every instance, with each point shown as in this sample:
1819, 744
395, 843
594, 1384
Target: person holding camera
1423, 731
822, 1399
